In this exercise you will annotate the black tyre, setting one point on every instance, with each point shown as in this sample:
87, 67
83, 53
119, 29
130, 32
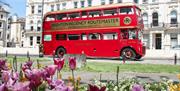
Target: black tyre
60, 51
128, 53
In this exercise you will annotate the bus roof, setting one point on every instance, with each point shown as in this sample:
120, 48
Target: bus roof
93, 8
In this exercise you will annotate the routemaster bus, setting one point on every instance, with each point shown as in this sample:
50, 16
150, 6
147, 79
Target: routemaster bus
108, 31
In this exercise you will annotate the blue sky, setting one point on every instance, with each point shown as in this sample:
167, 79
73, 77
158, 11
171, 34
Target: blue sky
17, 6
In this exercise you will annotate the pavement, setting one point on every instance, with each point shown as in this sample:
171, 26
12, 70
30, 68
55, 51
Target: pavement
88, 77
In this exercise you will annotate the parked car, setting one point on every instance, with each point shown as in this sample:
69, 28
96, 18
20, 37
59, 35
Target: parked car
177, 47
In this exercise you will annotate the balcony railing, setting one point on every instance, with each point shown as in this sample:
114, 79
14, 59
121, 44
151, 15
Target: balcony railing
162, 25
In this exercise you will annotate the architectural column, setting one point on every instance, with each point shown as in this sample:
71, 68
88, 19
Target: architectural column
178, 37
151, 40
162, 41
167, 41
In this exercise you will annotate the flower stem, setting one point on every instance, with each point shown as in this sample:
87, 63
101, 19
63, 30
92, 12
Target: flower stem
117, 78
73, 80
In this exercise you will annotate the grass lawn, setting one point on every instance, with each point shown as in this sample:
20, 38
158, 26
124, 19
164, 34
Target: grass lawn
141, 68
110, 67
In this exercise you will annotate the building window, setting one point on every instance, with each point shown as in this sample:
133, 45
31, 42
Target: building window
31, 22
39, 22
75, 4
38, 39
0, 35
111, 1
119, 1
135, 1
173, 18
145, 1
1, 16
32, 28
52, 7
89, 3
1, 25
31, 40
145, 19
154, 0
58, 6
82, 4
39, 9
32, 9
102, 2
64, 5
174, 40
38, 28
155, 19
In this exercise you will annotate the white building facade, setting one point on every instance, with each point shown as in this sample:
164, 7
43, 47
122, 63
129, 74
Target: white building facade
161, 19
3, 25
16, 35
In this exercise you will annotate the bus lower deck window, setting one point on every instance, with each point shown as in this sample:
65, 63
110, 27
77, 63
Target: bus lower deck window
83, 37
60, 36
94, 36
73, 37
110, 36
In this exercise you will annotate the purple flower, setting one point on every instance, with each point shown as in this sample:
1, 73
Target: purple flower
72, 63
34, 77
137, 87
3, 65
59, 62
6, 75
21, 86
15, 76
3, 87
95, 88
27, 65
58, 85
51, 69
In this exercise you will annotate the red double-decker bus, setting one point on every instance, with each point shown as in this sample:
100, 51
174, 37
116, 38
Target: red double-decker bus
102, 31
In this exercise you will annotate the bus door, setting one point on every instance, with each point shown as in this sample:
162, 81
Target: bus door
94, 44
110, 45
47, 42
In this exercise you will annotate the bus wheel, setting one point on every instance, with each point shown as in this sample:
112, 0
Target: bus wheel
60, 52
128, 53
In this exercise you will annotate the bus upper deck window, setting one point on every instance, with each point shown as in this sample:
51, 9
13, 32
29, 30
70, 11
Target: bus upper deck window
50, 18
84, 14
61, 17
73, 15
126, 10
96, 13
110, 12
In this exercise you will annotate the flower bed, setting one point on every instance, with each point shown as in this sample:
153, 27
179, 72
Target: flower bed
39, 78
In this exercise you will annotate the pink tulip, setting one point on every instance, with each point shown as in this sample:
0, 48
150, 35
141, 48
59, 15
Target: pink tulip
72, 63
34, 77
6, 76
3, 87
59, 62
51, 69
27, 65
21, 86
3, 65
15, 76
96, 88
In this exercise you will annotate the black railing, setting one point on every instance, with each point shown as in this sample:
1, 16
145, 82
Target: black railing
162, 25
